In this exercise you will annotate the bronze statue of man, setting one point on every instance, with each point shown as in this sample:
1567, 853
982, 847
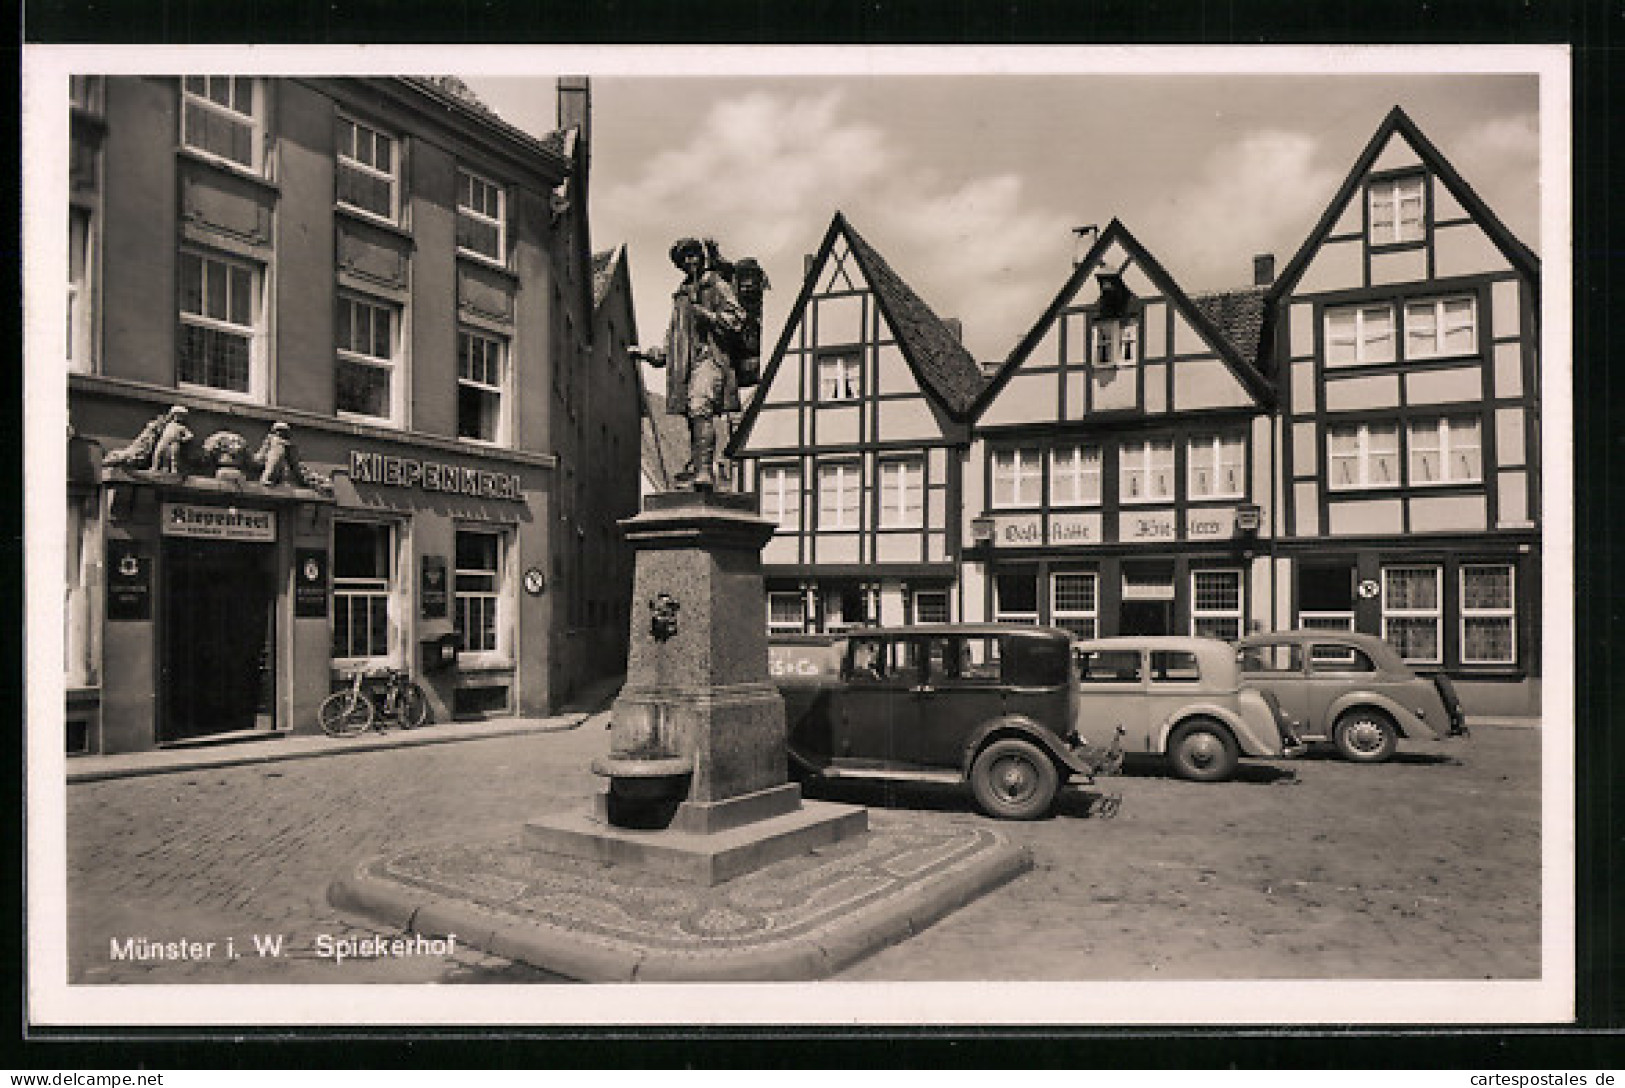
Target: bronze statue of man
701, 380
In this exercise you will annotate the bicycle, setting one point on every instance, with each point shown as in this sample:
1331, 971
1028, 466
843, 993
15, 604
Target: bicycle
355, 710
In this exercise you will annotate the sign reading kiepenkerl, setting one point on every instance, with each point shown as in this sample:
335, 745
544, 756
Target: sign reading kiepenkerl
378, 468
219, 523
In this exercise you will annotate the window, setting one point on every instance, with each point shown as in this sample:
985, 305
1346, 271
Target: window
1396, 210
366, 336
482, 376
79, 319
363, 573
838, 377
1216, 604
368, 169
780, 487
1147, 471
1109, 666
219, 324
219, 116
786, 612
902, 493
1114, 343
1074, 475
1441, 327
1411, 613
1018, 476
1488, 614
1362, 455
1277, 657
1446, 451
1015, 597
1338, 657
845, 606
1075, 602
1174, 667
481, 217
1326, 598
840, 484
930, 606
1356, 335
1217, 466
479, 584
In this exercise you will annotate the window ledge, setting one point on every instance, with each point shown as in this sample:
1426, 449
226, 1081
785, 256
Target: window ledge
480, 260
226, 166
361, 215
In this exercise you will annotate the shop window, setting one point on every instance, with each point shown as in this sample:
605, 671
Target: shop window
838, 377
780, 488
1362, 456
1216, 466
1357, 335
363, 582
1074, 475
367, 338
368, 169
1216, 604
1147, 471
931, 606
1396, 210
480, 591
80, 255
1489, 616
844, 607
1446, 450
786, 612
902, 493
840, 487
221, 117
1018, 476
1326, 598
1015, 597
481, 217
1075, 602
220, 314
1412, 613
482, 382
1437, 328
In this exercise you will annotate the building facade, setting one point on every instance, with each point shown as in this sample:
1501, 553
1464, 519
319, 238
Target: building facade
856, 441
308, 319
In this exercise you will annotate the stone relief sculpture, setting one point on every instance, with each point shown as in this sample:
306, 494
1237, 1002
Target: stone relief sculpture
172, 440
139, 453
165, 445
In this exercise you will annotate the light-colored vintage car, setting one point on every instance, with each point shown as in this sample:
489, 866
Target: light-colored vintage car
1352, 690
1177, 697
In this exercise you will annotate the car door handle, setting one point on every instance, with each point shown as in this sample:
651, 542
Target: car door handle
922, 689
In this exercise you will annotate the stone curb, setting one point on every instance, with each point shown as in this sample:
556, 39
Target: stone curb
166, 762
586, 958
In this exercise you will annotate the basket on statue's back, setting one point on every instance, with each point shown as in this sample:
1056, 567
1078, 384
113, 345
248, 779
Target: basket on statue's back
749, 282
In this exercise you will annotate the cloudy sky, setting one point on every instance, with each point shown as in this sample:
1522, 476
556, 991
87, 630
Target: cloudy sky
971, 184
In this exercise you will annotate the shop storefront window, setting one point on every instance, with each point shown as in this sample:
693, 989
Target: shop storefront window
1488, 614
930, 606
1326, 598
1412, 614
1015, 597
786, 612
1075, 601
1216, 604
363, 577
479, 590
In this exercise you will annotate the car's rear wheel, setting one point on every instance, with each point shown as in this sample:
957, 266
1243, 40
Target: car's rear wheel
1203, 751
1365, 736
1013, 780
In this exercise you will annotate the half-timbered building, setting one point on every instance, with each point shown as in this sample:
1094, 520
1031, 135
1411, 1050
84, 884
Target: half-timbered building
855, 441
1120, 482
1407, 358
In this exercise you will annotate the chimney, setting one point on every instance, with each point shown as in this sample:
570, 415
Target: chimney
1263, 270
575, 110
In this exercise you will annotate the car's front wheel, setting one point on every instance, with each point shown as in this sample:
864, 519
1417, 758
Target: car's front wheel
1203, 751
1013, 780
1365, 736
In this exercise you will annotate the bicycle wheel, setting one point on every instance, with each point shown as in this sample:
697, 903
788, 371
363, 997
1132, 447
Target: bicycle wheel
345, 713
413, 706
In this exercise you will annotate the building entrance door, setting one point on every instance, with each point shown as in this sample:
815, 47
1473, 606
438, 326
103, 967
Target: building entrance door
219, 659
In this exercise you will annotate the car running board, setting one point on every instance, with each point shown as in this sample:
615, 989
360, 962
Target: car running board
949, 778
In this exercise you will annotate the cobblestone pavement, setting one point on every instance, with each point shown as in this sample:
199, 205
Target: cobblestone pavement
1426, 867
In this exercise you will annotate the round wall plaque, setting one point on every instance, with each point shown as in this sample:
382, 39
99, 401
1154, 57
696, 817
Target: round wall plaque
1368, 589
535, 582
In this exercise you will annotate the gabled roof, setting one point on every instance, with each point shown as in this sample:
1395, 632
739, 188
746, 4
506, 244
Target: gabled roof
1239, 315
1224, 324
1521, 256
665, 444
459, 98
945, 370
605, 266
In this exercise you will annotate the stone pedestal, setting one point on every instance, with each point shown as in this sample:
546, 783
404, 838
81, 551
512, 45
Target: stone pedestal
697, 767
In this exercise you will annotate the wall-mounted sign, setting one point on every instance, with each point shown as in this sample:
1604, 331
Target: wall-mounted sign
1018, 530
432, 587
1147, 527
378, 468
1075, 528
1210, 524
310, 583
1369, 589
219, 523
535, 582
129, 580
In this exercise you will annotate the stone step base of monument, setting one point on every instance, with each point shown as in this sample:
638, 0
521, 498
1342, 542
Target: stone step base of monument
801, 918
685, 851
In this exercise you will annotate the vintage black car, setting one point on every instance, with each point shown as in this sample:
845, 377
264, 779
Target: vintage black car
988, 704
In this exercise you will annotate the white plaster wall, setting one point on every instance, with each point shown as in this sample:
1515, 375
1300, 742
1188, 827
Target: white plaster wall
1509, 370
1303, 387
907, 419
1400, 266
1396, 154
1353, 394
1156, 388
1465, 250
1305, 449
1513, 499
1464, 384
1351, 220
972, 592
895, 375
1336, 266
1362, 518
1154, 330
837, 425
1506, 320
1027, 397
1509, 445
1305, 497
1447, 513
1207, 383
1445, 204
1187, 341
1302, 343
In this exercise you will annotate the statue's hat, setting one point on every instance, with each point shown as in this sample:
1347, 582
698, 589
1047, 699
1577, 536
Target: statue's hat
682, 247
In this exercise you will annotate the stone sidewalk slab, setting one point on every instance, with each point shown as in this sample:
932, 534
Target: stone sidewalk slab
799, 919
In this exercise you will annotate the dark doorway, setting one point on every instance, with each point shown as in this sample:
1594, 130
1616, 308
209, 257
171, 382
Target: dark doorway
1146, 618
219, 662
